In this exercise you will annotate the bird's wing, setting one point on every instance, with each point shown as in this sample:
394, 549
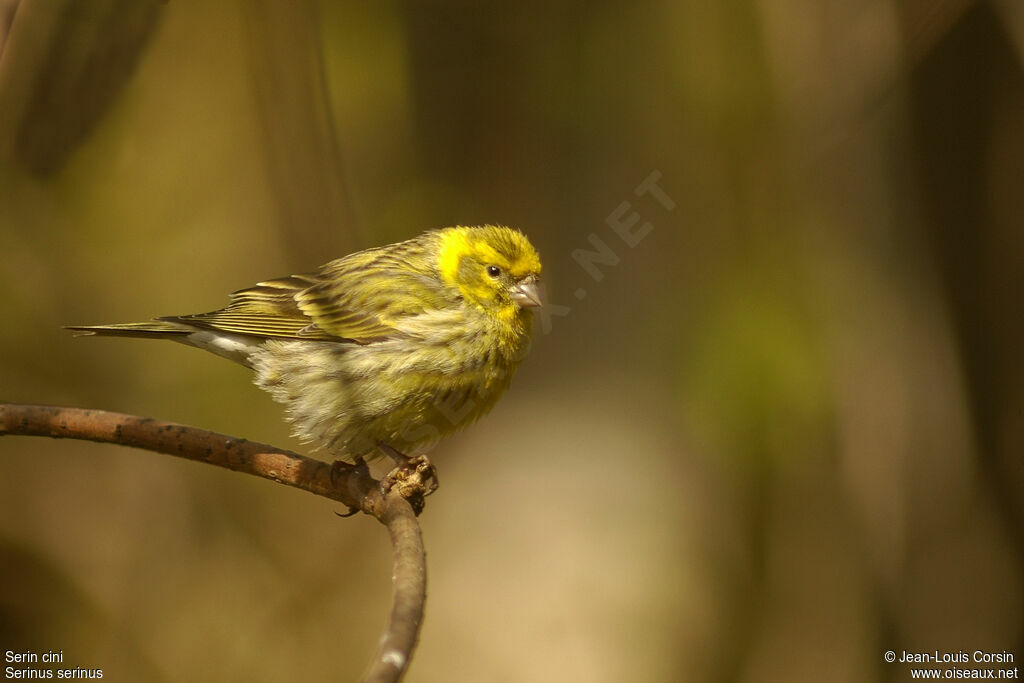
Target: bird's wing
360, 298
267, 310
366, 296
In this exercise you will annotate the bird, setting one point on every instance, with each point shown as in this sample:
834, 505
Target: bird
384, 350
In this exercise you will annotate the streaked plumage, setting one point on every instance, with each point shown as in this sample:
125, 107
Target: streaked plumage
398, 345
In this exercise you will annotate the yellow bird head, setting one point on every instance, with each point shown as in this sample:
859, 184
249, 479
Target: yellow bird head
495, 268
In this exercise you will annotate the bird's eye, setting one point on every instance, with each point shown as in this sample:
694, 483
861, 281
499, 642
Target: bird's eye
493, 271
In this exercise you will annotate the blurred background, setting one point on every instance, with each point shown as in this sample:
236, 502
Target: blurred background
772, 423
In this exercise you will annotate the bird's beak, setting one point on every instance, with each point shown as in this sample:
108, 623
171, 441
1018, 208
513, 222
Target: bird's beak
527, 293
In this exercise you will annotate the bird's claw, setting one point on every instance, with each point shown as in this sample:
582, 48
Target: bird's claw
340, 470
414, 478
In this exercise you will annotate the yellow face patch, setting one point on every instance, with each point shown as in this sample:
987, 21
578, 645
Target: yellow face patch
517, 257
526, 261
454, 245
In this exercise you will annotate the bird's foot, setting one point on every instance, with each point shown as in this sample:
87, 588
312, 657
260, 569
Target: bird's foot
341, 470
415, 478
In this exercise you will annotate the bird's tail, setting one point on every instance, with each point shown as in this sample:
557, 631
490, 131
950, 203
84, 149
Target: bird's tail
154, 329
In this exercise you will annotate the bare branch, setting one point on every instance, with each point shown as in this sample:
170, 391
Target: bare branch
351, 485
410, 591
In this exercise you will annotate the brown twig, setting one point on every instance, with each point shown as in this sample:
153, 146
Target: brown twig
351, 485
410, 590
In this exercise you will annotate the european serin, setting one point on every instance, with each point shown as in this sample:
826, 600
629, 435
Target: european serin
392, 346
